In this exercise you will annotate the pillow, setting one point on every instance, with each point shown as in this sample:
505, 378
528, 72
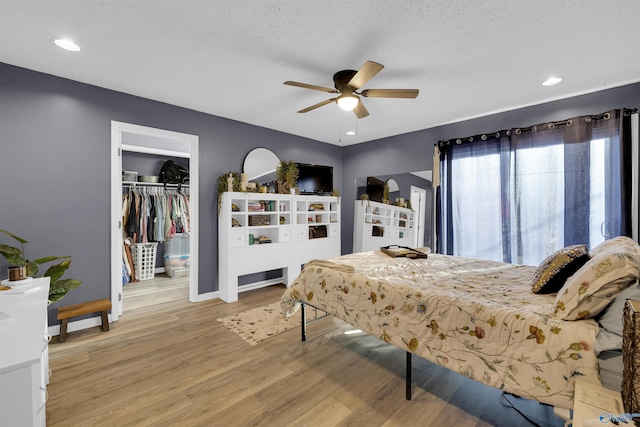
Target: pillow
554, 271
597, 283
611, 317
607, 341
620, 242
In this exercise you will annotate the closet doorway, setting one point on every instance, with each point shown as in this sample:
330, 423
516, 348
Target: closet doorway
130, 138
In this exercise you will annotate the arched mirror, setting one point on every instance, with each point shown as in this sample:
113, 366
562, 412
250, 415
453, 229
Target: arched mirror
393, 185
260, 165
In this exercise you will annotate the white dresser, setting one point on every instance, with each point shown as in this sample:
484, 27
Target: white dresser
24, 354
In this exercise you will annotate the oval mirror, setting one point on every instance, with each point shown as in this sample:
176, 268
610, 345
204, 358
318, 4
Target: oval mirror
260, 165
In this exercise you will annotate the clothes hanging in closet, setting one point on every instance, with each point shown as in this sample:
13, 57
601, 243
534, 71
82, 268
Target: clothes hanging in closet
153, 214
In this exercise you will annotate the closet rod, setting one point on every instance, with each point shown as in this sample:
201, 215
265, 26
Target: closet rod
152, 184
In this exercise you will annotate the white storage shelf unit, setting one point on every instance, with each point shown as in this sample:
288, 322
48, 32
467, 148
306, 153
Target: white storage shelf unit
378, 224
260, 232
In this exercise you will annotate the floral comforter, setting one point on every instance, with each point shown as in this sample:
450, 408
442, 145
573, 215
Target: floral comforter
478, 318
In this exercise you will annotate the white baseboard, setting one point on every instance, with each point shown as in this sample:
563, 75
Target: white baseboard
205, 297
78, 325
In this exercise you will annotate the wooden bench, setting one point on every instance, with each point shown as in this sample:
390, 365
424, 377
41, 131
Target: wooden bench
66, 312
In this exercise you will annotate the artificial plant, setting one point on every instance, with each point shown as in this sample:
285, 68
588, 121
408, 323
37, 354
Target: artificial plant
287, 174
58, 287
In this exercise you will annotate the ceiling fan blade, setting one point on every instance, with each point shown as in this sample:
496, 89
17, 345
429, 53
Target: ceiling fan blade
390, 93
360, 110
318, 105
307, 86
368, 70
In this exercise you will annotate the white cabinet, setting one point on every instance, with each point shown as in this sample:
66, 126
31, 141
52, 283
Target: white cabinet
260, 232
23, 354
378, 224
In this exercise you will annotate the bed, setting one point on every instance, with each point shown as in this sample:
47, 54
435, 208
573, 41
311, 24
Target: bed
481, 318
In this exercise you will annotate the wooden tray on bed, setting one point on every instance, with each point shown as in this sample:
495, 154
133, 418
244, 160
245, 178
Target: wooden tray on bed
396, 251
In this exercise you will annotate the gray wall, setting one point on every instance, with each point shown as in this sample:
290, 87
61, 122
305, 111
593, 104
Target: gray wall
55, 137
414, 151
55, 168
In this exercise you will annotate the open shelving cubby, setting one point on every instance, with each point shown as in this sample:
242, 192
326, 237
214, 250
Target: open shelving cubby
378, 224
260, 232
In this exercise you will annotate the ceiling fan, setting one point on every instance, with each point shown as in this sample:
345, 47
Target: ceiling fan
348, 82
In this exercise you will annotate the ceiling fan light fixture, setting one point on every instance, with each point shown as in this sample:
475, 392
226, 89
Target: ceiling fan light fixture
347, 102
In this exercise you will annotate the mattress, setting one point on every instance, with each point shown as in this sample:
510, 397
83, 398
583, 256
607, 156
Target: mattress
478, 318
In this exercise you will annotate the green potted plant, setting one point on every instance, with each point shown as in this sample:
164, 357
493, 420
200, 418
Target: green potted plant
287, 176
385, 193
58, 287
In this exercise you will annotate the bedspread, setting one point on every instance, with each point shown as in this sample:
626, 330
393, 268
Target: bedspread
478, 318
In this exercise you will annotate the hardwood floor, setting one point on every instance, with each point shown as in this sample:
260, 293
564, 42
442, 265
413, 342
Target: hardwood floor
168, 362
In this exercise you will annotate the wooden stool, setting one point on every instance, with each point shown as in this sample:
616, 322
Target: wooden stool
66, 312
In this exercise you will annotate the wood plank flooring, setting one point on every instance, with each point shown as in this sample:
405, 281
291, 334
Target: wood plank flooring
168, 362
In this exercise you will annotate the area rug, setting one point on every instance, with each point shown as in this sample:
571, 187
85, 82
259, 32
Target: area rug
260, 323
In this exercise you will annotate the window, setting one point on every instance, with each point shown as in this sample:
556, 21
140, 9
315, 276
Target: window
520, 195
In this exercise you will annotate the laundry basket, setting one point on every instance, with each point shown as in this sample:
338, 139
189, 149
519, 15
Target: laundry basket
144, 259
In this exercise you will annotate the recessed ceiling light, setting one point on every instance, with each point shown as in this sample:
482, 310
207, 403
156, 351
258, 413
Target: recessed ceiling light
67, 44
351, 132
551, 81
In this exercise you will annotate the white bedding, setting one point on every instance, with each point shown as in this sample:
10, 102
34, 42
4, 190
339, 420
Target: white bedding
477, 318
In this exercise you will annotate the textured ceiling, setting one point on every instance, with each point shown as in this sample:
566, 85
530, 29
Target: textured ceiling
230, 58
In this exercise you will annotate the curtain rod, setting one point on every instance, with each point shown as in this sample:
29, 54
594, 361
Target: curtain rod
534, 128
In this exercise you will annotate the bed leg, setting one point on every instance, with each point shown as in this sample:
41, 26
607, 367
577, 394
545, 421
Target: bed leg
303, 323
408, 376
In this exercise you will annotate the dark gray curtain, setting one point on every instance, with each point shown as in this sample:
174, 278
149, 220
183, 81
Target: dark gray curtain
517, 195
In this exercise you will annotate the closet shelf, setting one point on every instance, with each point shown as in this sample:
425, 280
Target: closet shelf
152, 184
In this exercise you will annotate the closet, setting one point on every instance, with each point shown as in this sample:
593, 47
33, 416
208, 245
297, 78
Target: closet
155, 220
155, 229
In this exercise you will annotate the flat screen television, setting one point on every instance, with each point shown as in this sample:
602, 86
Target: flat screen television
315, 179
375, 189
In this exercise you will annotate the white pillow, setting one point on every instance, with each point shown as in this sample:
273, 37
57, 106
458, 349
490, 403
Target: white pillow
607, 341
611, 318
592, 288
620, 242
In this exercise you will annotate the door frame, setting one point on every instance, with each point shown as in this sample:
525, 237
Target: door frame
418, 204
181, 140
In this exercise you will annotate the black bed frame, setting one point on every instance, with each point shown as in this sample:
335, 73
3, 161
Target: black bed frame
303, 330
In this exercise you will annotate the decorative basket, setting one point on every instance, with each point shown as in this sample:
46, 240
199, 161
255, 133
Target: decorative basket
631, 358
257, 220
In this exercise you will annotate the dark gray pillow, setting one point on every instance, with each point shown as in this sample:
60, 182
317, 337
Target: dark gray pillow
558, 267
